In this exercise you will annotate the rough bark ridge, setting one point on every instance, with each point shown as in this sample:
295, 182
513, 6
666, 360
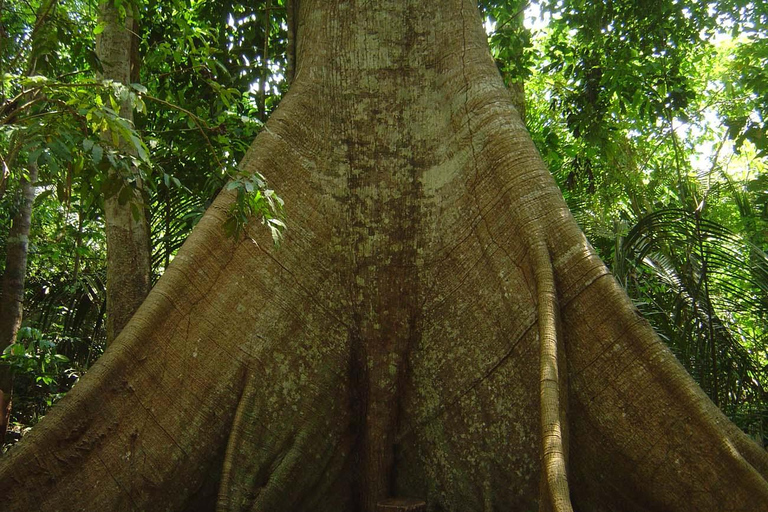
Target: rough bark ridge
412, 336
128, 258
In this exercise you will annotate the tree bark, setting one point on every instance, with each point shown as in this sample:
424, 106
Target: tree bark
435, 325
12, 299
128, 245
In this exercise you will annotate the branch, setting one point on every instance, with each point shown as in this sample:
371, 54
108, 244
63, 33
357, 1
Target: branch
200, 123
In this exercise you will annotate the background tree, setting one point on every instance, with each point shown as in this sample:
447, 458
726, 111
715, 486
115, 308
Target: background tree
49, 117
125, 218
17, 240
65, 304
11, 306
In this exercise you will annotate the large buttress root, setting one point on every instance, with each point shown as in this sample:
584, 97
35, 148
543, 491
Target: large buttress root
648, 437
229, 327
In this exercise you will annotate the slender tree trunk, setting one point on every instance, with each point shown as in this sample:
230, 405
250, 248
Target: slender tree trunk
12, 299
435, 324
128, 246
265, 63
517, 84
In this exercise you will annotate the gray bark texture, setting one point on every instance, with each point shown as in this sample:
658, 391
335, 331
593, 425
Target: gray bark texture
435, 325
128, 245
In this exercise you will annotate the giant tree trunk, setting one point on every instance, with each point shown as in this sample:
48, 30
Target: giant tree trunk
12, 298
412, 336
128, 247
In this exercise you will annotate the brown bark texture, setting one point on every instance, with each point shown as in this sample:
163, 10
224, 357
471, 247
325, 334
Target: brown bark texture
12, 299
434, 325
128, 245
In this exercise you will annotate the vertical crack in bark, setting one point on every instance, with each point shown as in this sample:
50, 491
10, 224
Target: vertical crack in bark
466, 94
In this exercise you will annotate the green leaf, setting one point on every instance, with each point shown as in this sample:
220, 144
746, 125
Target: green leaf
139, 146
97, 152
135, 211
140, 88
33, 157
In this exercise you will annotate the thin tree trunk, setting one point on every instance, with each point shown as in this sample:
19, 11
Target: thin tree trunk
265, 63
435, 325
17, 245
517, 85
128, 246
12, 299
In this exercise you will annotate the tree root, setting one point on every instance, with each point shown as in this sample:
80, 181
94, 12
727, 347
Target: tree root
554, 491
224, 500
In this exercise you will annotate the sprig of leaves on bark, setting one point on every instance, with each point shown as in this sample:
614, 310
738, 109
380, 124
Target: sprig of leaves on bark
253, 200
